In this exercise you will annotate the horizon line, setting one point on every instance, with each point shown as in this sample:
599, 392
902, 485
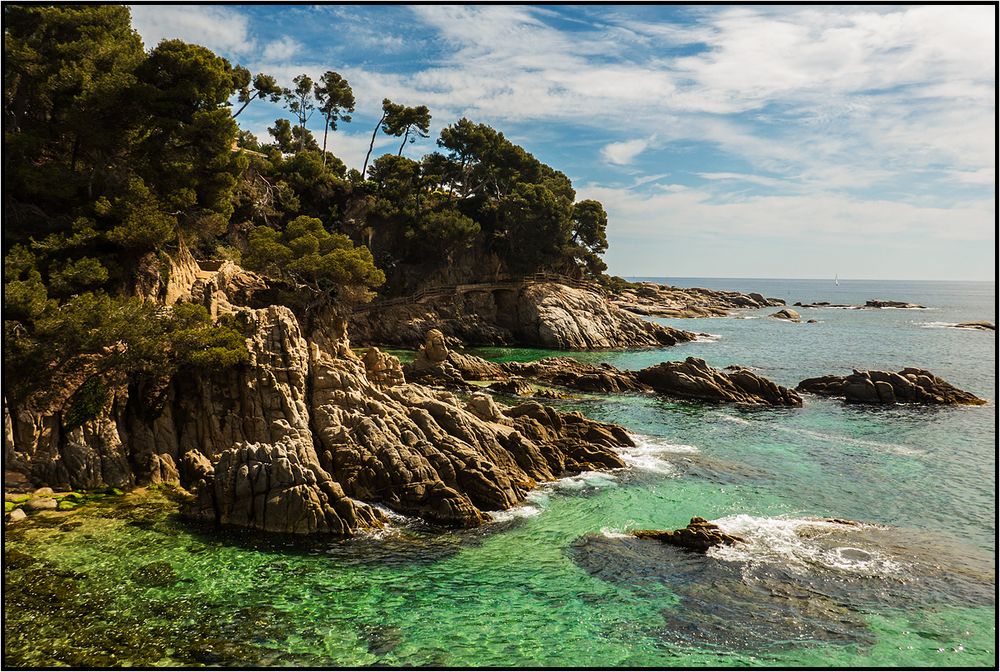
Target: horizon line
722, 277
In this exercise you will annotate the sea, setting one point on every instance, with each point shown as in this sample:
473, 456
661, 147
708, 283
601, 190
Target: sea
869, 533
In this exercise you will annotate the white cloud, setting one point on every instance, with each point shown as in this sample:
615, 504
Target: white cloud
623, 153
839, 97
667, 211
743, 177
281, 49
218, 28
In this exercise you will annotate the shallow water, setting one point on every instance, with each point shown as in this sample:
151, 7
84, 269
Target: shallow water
556, 582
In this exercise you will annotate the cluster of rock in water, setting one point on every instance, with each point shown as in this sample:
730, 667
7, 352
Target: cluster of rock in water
649, 298
307, 436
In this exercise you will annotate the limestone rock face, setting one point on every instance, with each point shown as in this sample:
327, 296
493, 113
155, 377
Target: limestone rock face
694, 379
884, 387
544, 314
700, 535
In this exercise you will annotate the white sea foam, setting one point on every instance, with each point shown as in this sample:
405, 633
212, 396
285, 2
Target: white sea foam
648, 452
585, 479
615, 533
393, 516
735, 420
652, 445
523, 511
649, 463
707, 338
781, 540
396, 522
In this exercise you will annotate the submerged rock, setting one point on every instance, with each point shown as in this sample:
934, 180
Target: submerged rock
883, 387
699, 535
695, 379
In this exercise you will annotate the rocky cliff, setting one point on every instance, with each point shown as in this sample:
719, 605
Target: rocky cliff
306, 436
539, 314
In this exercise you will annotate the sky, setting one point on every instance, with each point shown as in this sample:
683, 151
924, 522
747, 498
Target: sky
724, 141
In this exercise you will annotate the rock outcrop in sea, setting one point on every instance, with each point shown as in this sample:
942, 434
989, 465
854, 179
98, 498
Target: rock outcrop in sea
979, 326
436, 364
787, 314
699, 535
695, 379
884, 387
650, 298
870, 303
306, 436
531, 313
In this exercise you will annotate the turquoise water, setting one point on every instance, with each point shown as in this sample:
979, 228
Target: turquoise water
556, 582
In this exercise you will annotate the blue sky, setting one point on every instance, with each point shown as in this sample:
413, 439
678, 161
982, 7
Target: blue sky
725, 141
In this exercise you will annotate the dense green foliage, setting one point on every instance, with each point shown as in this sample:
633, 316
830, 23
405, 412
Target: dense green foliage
116, 159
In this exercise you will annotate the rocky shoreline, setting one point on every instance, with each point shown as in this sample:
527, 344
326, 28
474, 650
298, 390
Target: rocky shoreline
308, 437
652, 299
693, 379
544, 314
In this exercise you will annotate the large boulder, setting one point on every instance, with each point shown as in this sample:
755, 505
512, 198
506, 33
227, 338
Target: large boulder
695, 379
884, 387
787, 314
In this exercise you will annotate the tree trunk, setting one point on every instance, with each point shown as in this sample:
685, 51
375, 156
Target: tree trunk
371, 146
406, 137
326, 127
245, 104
